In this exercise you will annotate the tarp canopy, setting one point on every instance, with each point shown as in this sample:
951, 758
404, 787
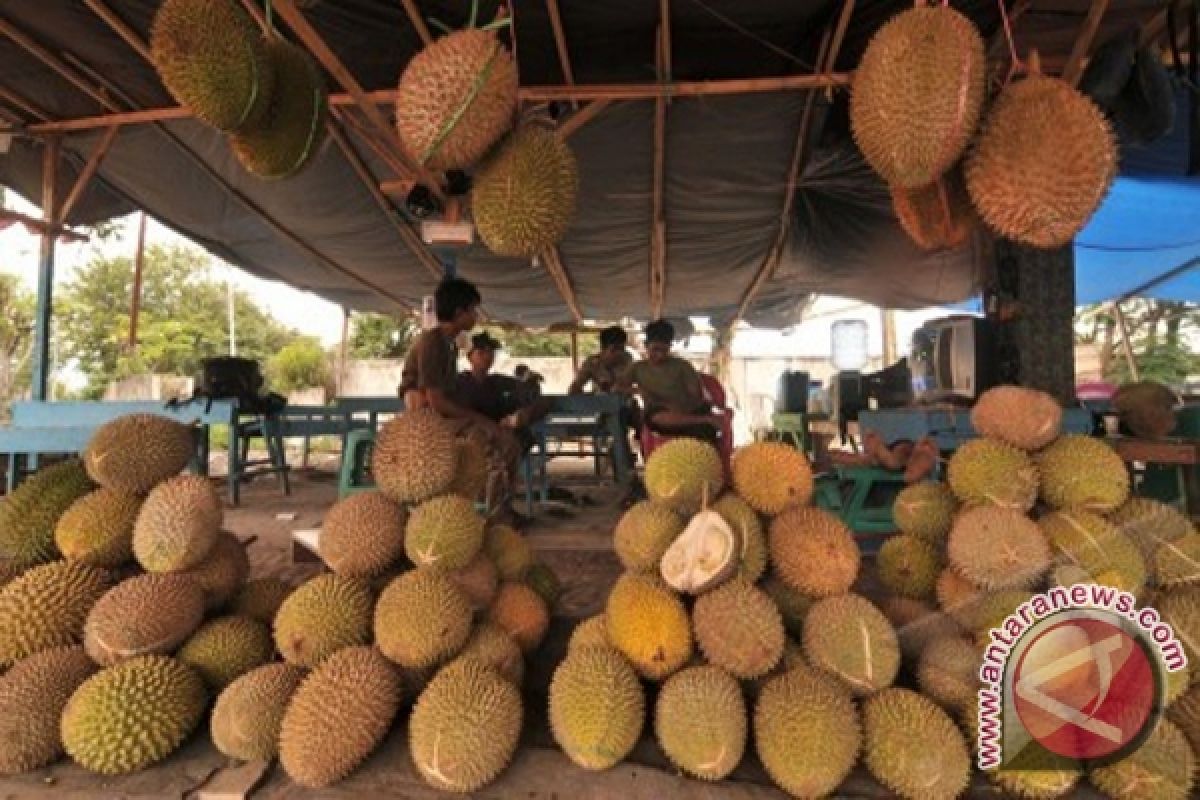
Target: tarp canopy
726, 159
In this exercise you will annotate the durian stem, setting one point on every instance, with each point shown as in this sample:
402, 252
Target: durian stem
270, 19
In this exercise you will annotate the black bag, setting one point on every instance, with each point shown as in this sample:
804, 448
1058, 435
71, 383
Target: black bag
241, 379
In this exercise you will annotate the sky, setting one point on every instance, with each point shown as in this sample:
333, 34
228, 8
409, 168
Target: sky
303, 311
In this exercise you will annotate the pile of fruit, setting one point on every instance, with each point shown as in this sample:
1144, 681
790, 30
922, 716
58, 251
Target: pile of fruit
742, 615
125, 616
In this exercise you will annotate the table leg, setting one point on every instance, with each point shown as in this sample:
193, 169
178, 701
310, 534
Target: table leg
620, 447
235, 468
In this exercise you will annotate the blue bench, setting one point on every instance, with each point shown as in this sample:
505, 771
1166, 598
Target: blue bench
597, 414
66, 427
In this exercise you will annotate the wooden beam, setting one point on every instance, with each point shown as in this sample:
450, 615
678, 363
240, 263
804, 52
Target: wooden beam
418, 22
38, 226
582, 117
51, 157
664, 21
562, 280
85, 176
649, 91
407, 234
560, 42
658, 225
52, 61
541, 94
1156, 28
120, 27
827, 55
316, 45
19, 103
1083, 42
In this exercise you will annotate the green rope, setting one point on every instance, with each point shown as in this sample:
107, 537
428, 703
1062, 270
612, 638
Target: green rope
480, 80
474, 13
498, 24
270, 21
249, 46
441, 26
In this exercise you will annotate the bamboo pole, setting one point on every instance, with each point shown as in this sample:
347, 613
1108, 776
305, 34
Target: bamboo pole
135, 303
560, 43
1083, 42
51, 156
1126, 345
89, 171
418, 22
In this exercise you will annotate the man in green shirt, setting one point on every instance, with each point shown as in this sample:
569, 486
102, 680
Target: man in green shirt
670, 389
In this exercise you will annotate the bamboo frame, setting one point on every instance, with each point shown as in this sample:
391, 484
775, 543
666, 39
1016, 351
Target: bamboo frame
51, 160
582, 117
315, 44
19, 103
1073, 71
287, 234
121, 28
418, 23
562, 281
560, 42
658, 224
407, 234
827, 55
39, 225
87, 173
1126, 345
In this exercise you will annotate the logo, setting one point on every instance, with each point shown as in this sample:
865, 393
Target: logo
1076, 673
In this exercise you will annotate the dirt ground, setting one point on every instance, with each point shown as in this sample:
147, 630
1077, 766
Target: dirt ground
573, 537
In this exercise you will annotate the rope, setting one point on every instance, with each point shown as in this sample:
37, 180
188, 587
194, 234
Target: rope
774, 48
450, 124
1014, 62
253, 100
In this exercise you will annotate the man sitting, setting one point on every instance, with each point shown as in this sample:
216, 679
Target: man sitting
500, 398
672, 396
602, 369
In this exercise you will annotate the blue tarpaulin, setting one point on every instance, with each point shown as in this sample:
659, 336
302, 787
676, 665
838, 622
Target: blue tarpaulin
1146, 228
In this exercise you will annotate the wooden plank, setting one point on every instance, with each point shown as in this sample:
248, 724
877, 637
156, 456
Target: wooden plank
1083, 42
85, 176
1154, 451
234, 783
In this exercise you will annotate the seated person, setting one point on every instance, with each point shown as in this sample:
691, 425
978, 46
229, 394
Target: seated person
672, 396
501, 398
602, 369
429, 377
917, 460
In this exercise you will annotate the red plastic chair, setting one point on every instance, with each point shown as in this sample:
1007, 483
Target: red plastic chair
714, 394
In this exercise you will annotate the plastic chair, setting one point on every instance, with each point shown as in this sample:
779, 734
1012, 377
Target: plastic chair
714, 395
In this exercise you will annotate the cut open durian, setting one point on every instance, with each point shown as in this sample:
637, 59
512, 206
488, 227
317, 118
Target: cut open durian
705, 555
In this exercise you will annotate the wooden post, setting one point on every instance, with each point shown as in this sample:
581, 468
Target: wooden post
574, 350
341, 370
135, 303
1126, 345
45, 300
890, 350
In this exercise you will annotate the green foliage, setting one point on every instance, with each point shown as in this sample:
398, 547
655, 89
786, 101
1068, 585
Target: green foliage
183, 317
301, 364
1161, 335
528, 344
17, 308
381, 336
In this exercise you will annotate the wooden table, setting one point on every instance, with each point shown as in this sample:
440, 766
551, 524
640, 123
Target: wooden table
1182, 454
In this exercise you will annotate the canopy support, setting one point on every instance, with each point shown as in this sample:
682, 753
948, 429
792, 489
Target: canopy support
418, 23
1126, 345
658, 221
560, 44
89, 172
1083, 42
45, 298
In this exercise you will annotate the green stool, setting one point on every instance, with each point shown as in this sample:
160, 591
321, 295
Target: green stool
862, 497
791, 428
356, 447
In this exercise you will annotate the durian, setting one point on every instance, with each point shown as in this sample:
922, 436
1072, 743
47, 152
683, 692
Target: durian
32, 697
998, 548
523, 198
127, 717
30, 513
925, 510
851, 639
98, 528
644, 533
991, 472
597, 707
222, 572
591, 632
444, 533
813, 552
705, 555
249, 712
739, 629
47, 607
1162, 768
422, 619
649, 625
937, 216
772, 476
147, 614
1083, 474
321, 617
913, 747
225, 648
260, 599
917, 94
908, 566
363, 535
134, 453
178, 524
509, 550
1150, 523
338, 715
479, 581
749, 530
522, 612
495, 647
683, 472
414, 457
700, 722
948, 672
1025, 418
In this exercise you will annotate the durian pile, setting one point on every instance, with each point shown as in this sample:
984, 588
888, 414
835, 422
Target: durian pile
741, 615
1034, 165
267, 94
1025, 508
126, 616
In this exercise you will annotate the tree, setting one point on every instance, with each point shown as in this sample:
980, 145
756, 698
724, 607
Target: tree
381, 336
1161, 335
17, 308
528, 344
183, 317
301, 364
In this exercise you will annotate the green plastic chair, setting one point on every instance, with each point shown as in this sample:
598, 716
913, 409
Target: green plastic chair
862, 497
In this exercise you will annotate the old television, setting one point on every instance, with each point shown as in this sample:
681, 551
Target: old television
952, 359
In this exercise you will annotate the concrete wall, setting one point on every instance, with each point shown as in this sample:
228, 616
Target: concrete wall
380, 377
149, 387
307, 397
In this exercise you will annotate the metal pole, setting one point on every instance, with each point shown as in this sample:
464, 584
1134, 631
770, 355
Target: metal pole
232, 321
136, 303
45, 302
890, 351
1126, 345
341, 373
